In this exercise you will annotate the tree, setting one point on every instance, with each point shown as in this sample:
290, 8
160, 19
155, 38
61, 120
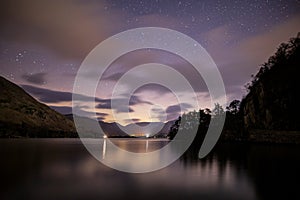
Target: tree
233, 107
205, 116
174, 128
218, 110
282, 55
191, 121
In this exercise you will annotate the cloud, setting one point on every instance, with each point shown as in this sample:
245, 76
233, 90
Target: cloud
53, 96
178, 108
172, 112
113, 77
134, 120
242, 56
47, 95
135, 100
119, 108
158, 110
172, 116
79, 112
173, 109
153, 87
102, 114
130, 60
69, 28
121, 104
38, 78
62, 109
263, 45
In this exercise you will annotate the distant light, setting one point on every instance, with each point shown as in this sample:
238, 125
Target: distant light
147, 135
104, 136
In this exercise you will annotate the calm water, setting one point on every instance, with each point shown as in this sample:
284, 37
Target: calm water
63, 169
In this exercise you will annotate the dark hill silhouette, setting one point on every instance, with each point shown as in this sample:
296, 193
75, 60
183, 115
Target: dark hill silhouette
273, 99
157, 129
86, 126
23, 116
115, 130
270, 111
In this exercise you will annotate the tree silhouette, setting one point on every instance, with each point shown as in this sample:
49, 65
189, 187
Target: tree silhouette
284, 53
218, 110
272, 101
233, 107
199, 120
174, 129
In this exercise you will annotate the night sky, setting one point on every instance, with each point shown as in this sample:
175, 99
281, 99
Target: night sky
43, 43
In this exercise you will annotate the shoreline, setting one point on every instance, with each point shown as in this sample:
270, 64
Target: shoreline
263, 136
255, 136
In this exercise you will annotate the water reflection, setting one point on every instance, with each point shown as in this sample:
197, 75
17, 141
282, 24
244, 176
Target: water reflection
132, 155
271, 170
138, 145
63, 169
134, 145
104, 149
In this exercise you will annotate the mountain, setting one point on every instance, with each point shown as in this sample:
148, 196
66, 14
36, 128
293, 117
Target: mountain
158, 129
271, 108
23, 116
86, 127
273, 99
140, 129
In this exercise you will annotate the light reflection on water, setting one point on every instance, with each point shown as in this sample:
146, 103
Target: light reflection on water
62, 168
137, 145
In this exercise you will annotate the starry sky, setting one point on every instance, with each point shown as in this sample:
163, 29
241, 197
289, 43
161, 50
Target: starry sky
43, 43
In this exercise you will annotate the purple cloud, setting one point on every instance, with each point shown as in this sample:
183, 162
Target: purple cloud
37, 78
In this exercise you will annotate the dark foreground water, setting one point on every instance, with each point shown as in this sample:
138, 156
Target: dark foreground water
63, 169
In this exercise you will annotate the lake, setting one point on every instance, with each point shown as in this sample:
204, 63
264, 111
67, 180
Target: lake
64, 169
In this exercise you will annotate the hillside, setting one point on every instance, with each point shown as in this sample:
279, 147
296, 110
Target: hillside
117, 130
23, 116
273, 99
270, 111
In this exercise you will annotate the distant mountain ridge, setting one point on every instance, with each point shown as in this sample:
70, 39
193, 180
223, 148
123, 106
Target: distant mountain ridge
23, 116
157, 129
